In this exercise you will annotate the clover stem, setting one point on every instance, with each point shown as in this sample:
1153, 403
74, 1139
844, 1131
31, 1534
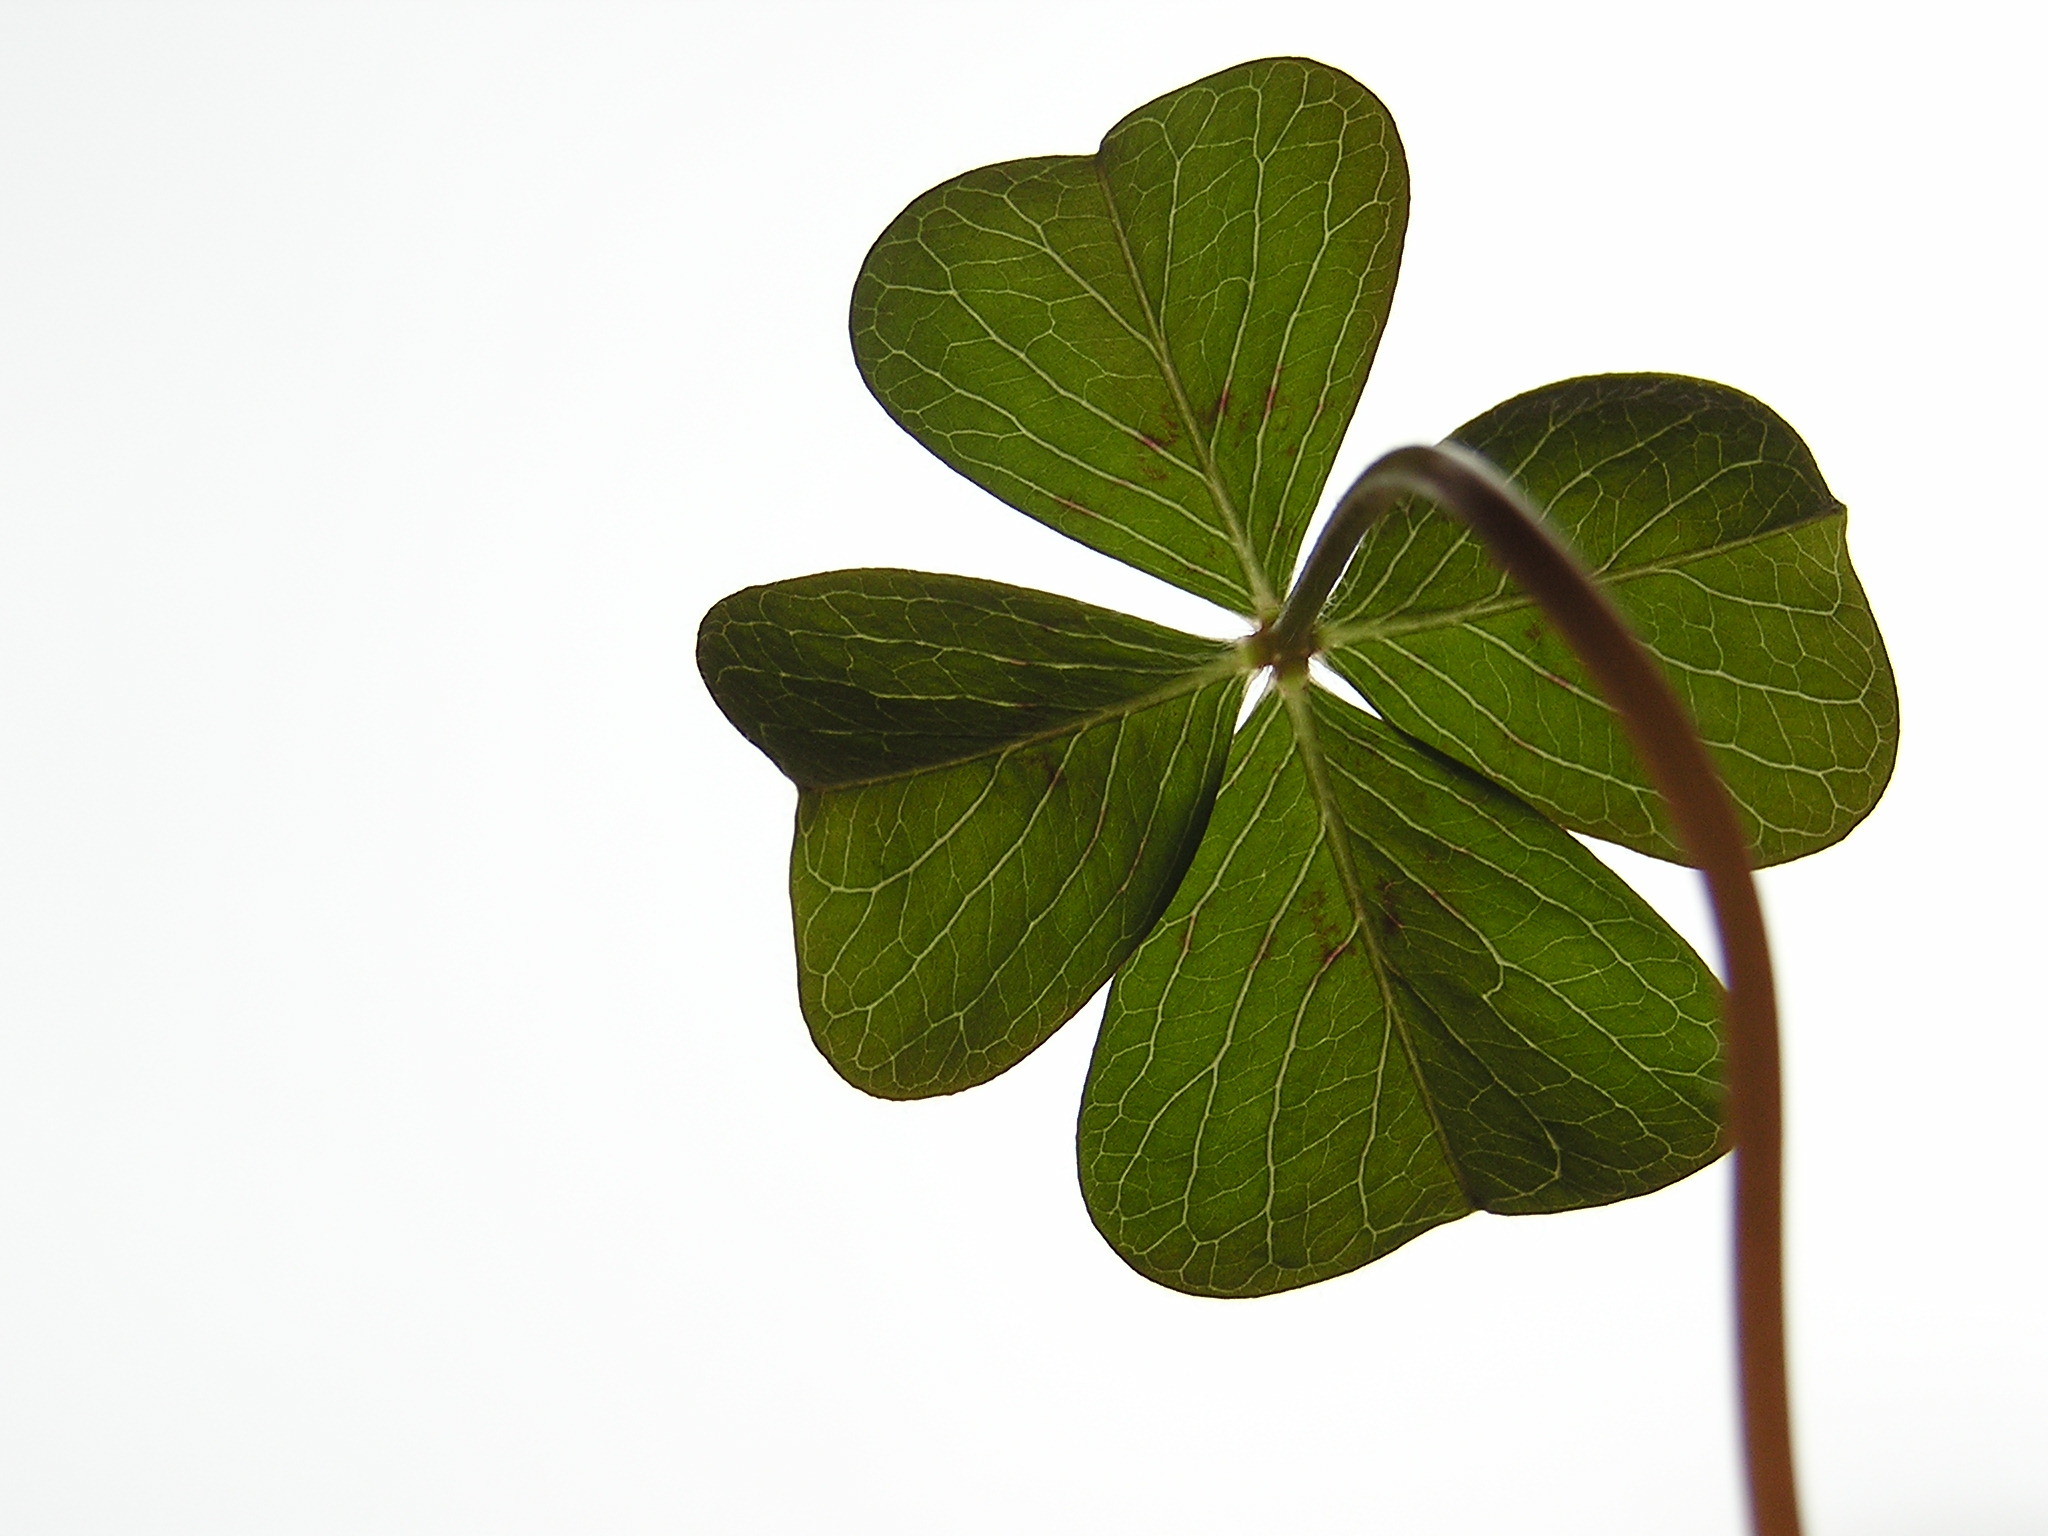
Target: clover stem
1703, 816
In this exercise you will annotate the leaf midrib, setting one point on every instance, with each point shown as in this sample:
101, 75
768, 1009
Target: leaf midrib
1353, 631
1301, 718
1232, 661
1264, 604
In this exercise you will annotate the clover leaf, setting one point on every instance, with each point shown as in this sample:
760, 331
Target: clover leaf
1711, 528
999, 791
1364, 978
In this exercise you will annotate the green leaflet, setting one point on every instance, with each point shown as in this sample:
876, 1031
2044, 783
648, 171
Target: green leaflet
1326, 1048
1709, 523
999, 789
1154, 350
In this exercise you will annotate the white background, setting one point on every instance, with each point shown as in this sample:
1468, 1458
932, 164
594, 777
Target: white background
406, 1124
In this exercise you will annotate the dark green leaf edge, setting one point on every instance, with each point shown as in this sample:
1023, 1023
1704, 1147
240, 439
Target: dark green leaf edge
858, 676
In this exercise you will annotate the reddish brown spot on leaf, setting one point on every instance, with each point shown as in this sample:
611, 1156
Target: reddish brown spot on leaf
1047, 762
1390, 909
1315, 906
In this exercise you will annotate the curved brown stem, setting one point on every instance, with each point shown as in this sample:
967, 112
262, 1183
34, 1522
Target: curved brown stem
1703, 815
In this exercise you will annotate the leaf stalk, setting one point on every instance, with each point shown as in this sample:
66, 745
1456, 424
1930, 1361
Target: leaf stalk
1703, 815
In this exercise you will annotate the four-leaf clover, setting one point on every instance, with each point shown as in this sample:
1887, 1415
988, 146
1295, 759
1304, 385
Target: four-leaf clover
1364, 979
